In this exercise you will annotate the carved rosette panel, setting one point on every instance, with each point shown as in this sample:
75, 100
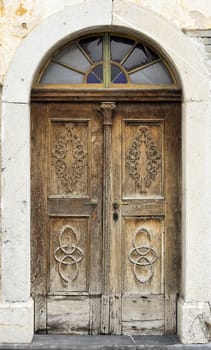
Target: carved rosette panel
68, 254
69, 174
143, 160
142, 257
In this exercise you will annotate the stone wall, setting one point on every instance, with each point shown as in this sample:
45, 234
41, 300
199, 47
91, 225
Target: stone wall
202, 38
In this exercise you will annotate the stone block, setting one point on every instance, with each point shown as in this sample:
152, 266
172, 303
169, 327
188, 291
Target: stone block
16, 322
196, 198
15, 202
193, 322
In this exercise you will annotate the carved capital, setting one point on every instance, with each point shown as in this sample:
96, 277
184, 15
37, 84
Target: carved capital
106, 109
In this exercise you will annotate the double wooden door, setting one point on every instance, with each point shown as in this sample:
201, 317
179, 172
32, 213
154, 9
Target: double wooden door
105, 217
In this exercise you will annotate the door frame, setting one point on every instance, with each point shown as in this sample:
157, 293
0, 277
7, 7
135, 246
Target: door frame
188, 63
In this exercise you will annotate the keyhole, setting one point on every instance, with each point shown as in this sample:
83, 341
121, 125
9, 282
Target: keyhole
115, 216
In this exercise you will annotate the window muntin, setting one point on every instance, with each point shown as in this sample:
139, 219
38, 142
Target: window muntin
107, 61
93, 47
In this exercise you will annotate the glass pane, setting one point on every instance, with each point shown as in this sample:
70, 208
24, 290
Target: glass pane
93, 47
99, 71
93, 79
115, 70
140, 56
96, 75
73, 56
120, 47
117, 76
157, 73
120, 79
56, 74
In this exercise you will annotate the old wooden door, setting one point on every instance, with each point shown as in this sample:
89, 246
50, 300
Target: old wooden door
66, 164
105, 217
145, 218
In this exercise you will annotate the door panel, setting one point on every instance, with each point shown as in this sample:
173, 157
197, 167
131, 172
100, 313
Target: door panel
142, 163
69, 243
143, 290
136, 318
105, 217
68, 315
70, 148
146, 188
143, 255
67, 153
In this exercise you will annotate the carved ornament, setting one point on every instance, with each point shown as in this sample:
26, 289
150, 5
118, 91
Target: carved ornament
68, 254
142, 257
143, 160
69, 174
106, 109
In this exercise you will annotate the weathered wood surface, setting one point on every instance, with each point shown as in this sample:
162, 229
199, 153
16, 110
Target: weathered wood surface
40, 308
112, 266
172, 215
67, 148
136, 308
68, 316
146, 182
39, 219
106, 113
65, 95
155, 327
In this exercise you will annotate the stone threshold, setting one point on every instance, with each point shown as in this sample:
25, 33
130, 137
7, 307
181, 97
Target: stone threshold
104, 342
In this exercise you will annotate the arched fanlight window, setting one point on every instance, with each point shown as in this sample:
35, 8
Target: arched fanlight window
106, 60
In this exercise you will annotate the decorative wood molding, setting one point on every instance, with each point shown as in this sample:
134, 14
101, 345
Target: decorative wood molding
94, 95
106, 110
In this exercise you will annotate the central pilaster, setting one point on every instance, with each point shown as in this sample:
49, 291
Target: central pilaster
106, 111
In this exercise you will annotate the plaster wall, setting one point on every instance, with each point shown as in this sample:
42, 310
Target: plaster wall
187, 55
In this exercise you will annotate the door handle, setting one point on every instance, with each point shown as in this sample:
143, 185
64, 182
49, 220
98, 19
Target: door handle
116, 203
93, 201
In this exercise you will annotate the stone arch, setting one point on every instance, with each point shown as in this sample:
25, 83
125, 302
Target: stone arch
43, 40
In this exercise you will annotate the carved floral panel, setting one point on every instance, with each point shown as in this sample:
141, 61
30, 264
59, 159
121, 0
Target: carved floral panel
69, 158
143, 159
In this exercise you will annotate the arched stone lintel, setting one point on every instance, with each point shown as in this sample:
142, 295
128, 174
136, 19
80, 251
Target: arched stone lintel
63, 26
